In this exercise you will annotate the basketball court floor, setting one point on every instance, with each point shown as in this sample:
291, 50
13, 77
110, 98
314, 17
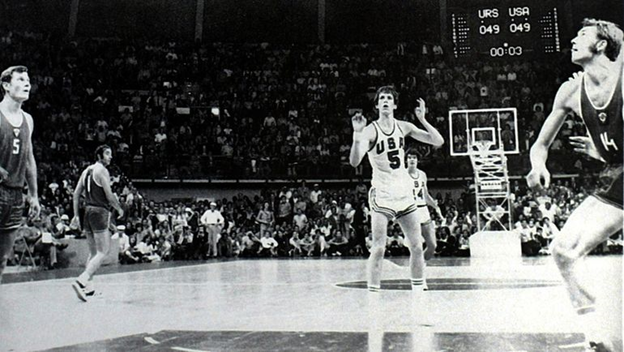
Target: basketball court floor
305, 305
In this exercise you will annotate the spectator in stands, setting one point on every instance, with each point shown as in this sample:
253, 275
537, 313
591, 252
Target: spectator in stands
265, 218
268, 246
125, 255
308, 244
250, 245
295, 244
225, 245
284, 211
337, 244
213, 222
300, 220
530, 246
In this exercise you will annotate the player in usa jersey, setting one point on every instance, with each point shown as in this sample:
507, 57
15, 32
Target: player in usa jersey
17, 161
391, 195
423, 199
596, 96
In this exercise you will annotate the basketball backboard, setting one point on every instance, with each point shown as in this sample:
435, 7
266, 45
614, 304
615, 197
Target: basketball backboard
498, 126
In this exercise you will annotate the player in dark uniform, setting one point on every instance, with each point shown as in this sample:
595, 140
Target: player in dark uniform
99, 199
596, 96
17, 162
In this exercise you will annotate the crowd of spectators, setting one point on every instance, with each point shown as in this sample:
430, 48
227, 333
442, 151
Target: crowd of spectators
302, 221
197, 110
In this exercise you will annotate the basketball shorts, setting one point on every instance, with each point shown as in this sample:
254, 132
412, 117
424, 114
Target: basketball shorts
392, 206
611, 186
423, 214
96, 219
11, 208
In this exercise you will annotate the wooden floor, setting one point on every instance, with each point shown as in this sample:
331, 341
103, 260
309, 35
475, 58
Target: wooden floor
308, 305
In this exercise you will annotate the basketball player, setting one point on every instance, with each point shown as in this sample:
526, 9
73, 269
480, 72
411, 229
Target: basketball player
391, 195
99, 198
596, 96
17, 161
423, 199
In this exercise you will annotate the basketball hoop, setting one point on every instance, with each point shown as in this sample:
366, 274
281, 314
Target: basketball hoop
477, 133
481, 147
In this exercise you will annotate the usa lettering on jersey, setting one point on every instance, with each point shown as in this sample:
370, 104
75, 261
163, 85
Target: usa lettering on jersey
419, 191
393, 150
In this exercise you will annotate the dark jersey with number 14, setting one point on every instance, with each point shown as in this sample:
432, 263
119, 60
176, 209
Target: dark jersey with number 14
604, 124
14, 151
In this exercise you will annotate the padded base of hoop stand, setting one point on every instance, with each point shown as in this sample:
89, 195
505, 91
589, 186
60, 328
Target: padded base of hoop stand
501, 247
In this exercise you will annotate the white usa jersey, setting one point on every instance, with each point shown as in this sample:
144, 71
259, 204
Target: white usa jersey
387, 159
420, 187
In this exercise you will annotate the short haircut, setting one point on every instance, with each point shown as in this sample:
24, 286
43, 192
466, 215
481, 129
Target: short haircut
8, 73
387, 89
412, 151
99, 151
610, 32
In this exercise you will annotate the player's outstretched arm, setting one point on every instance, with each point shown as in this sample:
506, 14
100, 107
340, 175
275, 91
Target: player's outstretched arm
362, 135
430, 135
539, 176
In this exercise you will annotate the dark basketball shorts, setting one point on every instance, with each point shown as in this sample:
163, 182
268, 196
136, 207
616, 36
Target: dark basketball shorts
611, 186
11, 208
96, 219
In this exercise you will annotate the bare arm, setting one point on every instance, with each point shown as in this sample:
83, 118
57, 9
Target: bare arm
102, 175
258, 219
552, 125
78, 192
362, 137
429, 200
430, 135
31, 175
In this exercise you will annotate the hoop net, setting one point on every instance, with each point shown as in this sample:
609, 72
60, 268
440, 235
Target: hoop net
482, 148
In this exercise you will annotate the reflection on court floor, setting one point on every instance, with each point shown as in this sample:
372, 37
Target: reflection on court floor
309, 305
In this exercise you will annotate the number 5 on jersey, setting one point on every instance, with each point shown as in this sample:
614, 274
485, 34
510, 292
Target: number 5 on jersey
16, 146
393, 158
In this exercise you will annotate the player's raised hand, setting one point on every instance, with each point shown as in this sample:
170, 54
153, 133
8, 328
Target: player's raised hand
420, 110
538, 178
358, 121
584, 145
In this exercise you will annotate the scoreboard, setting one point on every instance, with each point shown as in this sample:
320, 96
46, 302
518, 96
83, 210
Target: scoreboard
504, 29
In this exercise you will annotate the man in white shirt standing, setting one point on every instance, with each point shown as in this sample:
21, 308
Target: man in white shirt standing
213, 221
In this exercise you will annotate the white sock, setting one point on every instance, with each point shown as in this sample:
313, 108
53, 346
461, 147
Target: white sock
89, 286
83, 279
419, 305
417, 284
374, 288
